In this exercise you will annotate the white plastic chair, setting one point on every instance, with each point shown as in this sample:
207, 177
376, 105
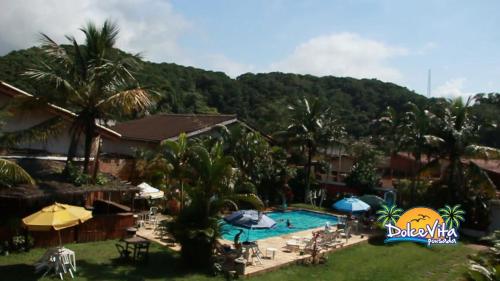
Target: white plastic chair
65, 261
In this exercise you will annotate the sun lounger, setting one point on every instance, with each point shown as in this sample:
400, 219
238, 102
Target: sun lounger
331, 239
293, 245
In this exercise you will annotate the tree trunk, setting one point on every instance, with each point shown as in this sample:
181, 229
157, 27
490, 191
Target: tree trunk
89, 136
73, 146
307, 190
96, 160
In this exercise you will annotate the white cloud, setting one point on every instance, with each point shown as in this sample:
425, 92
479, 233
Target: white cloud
151, 26
452, 88
343, 54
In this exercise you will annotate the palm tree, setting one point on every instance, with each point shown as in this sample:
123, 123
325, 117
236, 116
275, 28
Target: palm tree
312, 126
197, 227
389, 128
464, 182
92, 80
252, 156
415, 128
455, 132
12, 174
176, 153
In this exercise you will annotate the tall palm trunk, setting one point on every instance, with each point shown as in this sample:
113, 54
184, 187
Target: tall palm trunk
96, 160
307, 190
73, 147
456, 179
89, 137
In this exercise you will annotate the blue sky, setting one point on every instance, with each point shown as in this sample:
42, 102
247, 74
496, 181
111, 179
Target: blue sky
396, 41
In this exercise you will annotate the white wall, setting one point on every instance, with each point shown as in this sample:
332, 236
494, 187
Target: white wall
21, 120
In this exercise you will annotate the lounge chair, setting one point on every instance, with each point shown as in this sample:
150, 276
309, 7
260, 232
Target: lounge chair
309, 245
293, 245
331, 239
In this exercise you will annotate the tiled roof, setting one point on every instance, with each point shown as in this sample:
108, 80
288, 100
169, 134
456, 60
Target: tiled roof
156, 128
9, 90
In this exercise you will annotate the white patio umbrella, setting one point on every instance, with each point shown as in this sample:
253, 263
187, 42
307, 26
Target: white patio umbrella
149, 192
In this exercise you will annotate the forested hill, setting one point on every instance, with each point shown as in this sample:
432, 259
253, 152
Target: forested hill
259, 99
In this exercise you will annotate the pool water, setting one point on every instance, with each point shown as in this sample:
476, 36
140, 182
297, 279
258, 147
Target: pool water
300, 220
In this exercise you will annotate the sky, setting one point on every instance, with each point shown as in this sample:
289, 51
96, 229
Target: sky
394, 41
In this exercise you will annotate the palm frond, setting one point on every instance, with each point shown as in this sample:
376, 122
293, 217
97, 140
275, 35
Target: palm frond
38, 133
484, 152
128, 101
54, 50
12, 174
250, 199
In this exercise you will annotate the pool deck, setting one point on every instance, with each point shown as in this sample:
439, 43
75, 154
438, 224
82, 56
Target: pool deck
282, 256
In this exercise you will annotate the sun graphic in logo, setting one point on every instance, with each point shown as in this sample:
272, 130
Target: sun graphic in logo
420, 218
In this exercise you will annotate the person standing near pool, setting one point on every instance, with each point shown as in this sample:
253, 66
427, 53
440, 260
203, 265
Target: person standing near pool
327, 226
237, 244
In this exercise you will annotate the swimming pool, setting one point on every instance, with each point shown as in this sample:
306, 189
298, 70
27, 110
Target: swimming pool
300, 219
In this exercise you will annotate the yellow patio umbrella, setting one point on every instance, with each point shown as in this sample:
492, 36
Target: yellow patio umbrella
56, 217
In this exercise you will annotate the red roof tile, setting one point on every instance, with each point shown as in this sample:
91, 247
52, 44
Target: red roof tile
156, 128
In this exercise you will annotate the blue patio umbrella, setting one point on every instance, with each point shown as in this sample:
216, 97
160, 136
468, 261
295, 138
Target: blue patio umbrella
351, 205
250, 219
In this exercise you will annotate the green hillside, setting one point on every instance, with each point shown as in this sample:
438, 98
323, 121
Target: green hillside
259, 99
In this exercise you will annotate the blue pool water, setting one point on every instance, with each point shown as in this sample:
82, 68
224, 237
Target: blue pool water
301, 220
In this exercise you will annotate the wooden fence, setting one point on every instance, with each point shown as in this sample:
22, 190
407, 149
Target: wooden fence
100, 227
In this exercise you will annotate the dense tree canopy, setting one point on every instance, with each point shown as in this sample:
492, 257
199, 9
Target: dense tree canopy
258, 98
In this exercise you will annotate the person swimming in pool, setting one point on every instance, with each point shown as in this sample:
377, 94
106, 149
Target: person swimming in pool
289, 224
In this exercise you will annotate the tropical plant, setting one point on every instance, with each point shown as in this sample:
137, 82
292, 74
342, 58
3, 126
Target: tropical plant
12, 174
250, 151
363, 175
176, 153
197, 227
151, 167
486, 265
388, 128
389, 214
454, 133
91, 80
262, 168
415, 128
452, 216
311, 126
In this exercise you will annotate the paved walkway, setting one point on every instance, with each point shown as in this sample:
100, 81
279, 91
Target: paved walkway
282, 256
148, 232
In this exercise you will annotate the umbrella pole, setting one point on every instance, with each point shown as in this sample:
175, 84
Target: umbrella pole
60, 240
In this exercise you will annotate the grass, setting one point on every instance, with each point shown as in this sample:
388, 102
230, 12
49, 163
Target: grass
98, 261
369, 261
375, 261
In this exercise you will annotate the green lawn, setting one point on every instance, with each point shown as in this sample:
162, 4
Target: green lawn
371, 261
